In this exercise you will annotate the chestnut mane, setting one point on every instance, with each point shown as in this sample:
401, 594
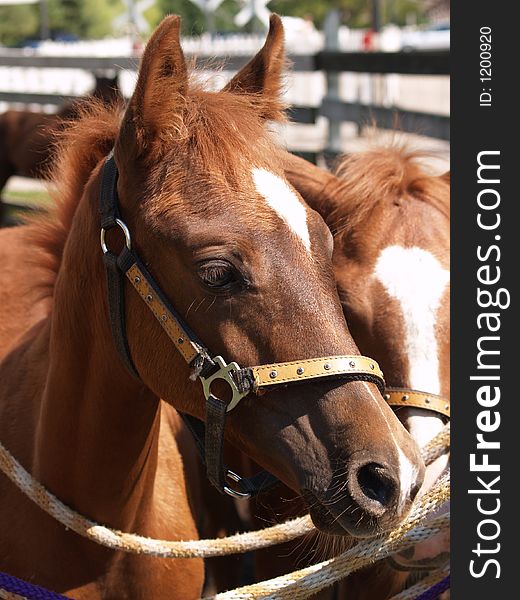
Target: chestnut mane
80, 147
382, 176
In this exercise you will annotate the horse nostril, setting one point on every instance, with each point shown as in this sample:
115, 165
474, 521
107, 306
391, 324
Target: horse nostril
375, 483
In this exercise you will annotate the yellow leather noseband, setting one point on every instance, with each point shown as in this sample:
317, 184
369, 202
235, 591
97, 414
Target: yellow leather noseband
314, 368
417, 399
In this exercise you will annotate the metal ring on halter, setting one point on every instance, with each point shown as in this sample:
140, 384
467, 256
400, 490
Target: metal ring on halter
231, 491
124, 229
225, 373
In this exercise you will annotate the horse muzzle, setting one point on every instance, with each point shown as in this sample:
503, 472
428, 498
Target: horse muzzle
371, 499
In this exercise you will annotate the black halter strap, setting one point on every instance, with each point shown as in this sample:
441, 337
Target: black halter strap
209, 439
115, 280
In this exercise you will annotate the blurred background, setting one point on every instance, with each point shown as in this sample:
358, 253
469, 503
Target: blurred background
355, 63
28, 22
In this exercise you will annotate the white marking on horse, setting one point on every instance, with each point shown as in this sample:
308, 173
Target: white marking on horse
407, 477
417, 280
284, 201
407, 471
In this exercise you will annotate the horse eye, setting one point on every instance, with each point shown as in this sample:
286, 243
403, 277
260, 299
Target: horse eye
218, 274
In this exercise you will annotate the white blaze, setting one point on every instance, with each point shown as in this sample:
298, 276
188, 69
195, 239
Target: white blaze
284, 201
417, 280
407, 477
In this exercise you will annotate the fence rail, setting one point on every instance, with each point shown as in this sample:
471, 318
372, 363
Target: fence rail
36, 98
437, 126
383, 63
403, 63
411, 63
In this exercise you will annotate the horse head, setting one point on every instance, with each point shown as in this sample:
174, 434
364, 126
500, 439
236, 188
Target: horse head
247, 264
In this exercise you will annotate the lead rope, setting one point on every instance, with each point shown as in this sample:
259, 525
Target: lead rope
306, 582
12, 587
411, 531
137, 544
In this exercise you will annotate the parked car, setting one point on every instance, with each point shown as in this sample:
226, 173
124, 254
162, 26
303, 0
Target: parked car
434, 37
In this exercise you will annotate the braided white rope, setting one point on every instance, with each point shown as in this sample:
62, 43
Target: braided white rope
437, 446
137, 544
305, 582
421, 586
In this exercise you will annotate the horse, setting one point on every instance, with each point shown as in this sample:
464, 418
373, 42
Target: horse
27, 138
390, 220
187, 185
391, 224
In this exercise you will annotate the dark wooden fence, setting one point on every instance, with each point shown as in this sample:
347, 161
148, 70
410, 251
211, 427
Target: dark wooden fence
409, 63
334, 109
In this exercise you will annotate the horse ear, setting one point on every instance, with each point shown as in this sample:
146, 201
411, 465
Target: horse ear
318, 187
262, 75
156, 104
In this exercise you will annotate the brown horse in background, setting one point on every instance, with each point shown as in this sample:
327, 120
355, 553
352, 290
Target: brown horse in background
390, 220
202, 190
28, 139
391, 223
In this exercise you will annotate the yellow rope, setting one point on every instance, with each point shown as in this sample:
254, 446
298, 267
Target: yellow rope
305, 582
293, 586
137, 544
439, 445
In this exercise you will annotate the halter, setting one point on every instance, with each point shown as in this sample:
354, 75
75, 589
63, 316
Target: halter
400, 397
208, 368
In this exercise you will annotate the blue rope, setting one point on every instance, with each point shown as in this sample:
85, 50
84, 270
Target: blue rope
27, 590
436, 590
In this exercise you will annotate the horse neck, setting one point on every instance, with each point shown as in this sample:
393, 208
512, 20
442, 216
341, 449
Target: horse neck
403, 250
416, 354
94, 429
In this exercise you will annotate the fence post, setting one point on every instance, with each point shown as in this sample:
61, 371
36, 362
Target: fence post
331, 31
44, 20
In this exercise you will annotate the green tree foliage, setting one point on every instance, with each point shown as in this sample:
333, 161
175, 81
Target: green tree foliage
401, 12
355, 13
97, 17
194, 21
225, 14
85, 19
18, 23
93, 18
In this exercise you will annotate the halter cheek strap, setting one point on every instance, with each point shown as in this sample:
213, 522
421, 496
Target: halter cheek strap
209, 368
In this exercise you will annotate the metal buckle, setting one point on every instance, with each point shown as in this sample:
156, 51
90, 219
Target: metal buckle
224, 373
234, 493
124, 229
